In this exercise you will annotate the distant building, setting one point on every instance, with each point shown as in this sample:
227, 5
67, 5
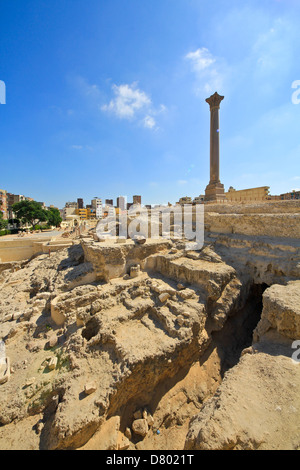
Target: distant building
91, 213
3, 203
109, 202
69, 210
71, 204
289, 196
122, 203
11, 200
199, 199
97, 206
247, 195
80, 204
137, 199
82, 213
185, 200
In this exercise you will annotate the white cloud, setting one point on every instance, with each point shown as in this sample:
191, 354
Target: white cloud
86, 89
130, 103
209, 71
149, 122
200, 59
82, 147
77, 147
181, 182
128, 100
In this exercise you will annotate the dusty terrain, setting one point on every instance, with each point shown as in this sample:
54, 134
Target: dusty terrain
154, 346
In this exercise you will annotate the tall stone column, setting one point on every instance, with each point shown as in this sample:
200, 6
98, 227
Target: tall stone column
215, 190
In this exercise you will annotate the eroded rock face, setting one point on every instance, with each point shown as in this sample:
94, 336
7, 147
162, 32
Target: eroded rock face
257, 406
262, 389
281, 312
125, 337
101, 343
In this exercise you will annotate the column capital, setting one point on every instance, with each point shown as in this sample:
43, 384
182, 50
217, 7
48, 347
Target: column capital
214, 100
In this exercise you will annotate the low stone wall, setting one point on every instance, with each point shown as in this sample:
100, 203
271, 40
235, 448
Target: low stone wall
267, 207
23, 249
272, 225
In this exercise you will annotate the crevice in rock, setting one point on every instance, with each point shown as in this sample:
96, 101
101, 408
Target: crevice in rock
237, 332
91, 329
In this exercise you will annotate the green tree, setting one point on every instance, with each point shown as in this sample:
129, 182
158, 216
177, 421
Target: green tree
30, 212
3, 222
53, 217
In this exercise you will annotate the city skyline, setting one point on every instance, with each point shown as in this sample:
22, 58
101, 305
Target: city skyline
109, 98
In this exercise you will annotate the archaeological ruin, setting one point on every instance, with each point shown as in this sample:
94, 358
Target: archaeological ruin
154, 342
149, 344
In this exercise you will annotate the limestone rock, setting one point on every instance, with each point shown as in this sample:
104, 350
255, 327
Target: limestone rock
281, 312
123, 442
180, 286
128, 433
186, 293
52, 363
143, 350
150, 420
134, 271
164, 297
244, 414
140, 427
140, 239
90, 388
53, 340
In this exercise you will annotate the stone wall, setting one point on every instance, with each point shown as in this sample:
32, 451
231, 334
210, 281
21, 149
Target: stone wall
23, 249
271, 225
267, 207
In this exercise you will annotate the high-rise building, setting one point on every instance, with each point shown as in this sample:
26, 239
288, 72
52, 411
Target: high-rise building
80, 203
97, 206
109, 202
137, 199
122, 202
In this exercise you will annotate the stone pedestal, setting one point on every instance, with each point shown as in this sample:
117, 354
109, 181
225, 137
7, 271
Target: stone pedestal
215, 192
215, 189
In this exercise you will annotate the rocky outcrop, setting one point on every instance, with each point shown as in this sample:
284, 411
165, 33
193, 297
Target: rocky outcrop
281, 313
259, 396
126, 336
111, 260
252, 406
125, 345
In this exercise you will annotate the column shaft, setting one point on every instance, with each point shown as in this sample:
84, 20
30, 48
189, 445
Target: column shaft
214, 146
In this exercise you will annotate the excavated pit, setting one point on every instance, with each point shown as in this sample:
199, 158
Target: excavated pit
146, 354
237, 333
171, 401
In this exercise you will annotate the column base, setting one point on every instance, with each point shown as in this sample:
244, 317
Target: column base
215, 192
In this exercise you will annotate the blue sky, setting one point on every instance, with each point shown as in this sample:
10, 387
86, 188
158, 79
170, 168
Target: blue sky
107, 97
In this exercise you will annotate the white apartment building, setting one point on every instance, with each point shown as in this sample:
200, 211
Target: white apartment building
97, 206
